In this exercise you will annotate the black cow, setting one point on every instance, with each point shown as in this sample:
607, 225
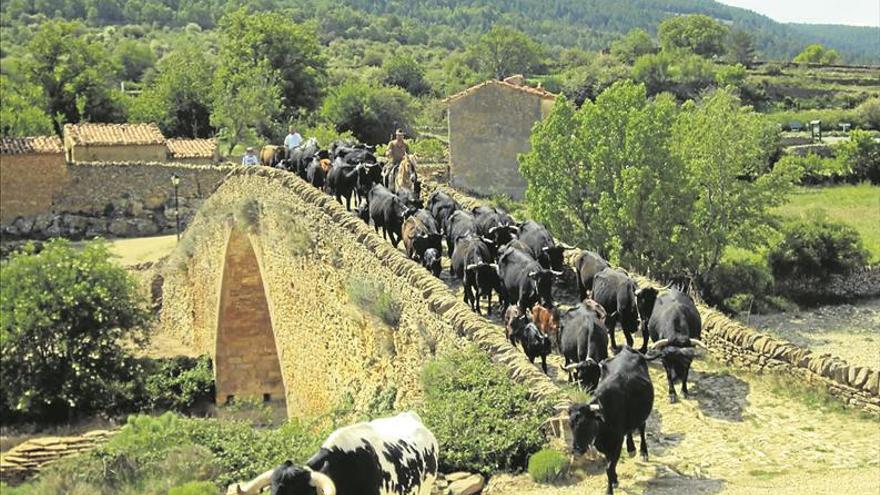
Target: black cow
541, 245
442, 206
533, 342
587, 266
524, 280
674, 324
410, 198
425, 216
298, 159
342, 180
621, 404
387, 456
461, 224
583, 343
616, 292
387, 212
471, 261
495, 224
418, 238
431, 261
315, 174
369, 173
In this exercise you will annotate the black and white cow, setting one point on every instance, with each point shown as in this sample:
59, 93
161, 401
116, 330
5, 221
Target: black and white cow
387, 456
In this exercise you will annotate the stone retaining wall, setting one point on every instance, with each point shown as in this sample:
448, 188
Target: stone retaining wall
747, 348
126, 199
28, 458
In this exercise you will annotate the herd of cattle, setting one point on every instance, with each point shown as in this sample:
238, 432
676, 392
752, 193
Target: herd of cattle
519, 262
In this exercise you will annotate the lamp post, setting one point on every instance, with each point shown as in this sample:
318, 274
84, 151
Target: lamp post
175, 180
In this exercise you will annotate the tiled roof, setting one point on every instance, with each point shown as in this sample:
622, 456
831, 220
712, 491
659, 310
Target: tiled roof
110, 134
36, 144
192, 148
539, 92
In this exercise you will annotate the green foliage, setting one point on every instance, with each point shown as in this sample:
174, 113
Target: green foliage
21, 110
70, 68
429, 149
505, 51
243, 101
179, 383
371, 113
483, 422
816, 248
548, 466
178, 99
731, 75
740, 47
68, 316
195, 488
325, 134
746, 275
595, 75
403, 71
817, 54
636, 43
861, 154
372, 296
869, 113
134, 58
679, 72
831, 117
816, 169
698, 33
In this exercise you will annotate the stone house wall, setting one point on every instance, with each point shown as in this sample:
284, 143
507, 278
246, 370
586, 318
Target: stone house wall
488, 129
118, 153
28, 183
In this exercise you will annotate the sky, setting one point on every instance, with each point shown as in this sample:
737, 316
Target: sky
852, 12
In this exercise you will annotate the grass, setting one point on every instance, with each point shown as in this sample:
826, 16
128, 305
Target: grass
855, 205
143, 249
372, 296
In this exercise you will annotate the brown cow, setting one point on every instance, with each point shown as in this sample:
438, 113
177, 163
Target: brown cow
547, 321
271, 155
421, 244
511, 314
592, 305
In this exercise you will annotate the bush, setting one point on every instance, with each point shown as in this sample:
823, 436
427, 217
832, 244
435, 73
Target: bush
325, 134
483, 422
404, 72
816, 169
179, 383
548, 465
429, 149
371, 296
195, 488
868, 113
831, 118
371, 113
816, 248
68, 318
746, 275
732, 75
861, 155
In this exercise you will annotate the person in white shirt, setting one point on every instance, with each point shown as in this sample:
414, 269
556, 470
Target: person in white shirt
249, 158
292, 140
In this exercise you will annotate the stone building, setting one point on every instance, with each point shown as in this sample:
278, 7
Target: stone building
197, 151
32, 170
489, 125
114, 143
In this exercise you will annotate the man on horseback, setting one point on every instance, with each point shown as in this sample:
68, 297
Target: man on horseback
397, 148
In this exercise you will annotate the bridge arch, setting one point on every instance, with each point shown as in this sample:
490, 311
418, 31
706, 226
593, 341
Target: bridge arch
246, 359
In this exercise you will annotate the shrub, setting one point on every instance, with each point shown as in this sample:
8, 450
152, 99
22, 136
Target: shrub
325, 134
861, 154
816, 248
372, 296
405, 72
179, 383
548, 465
65, 314
483, 422
733, 75
429, 149
371, 113
831, 117
746, 275
195, 488
869, 113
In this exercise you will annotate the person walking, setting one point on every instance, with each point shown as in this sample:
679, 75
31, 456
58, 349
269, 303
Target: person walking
249, 158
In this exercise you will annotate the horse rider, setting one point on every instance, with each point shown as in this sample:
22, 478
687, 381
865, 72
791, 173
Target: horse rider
397, 149
293, 140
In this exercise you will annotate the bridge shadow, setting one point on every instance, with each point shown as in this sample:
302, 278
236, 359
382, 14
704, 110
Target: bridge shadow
676, 485
659, 440
720, 395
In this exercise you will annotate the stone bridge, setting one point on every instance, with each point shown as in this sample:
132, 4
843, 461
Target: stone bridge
263, 281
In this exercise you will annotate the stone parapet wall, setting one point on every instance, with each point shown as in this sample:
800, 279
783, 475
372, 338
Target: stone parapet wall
749, 349
309, 249
126, 199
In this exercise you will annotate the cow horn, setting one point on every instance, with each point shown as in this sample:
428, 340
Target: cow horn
566, 247
595, 407
545, 248
554, 272
323, 483
591, 360
570, 367
494, 265
487, 240
473, 266
514, 228
660, 344
493, 229
698, 343
532, 274
251, 487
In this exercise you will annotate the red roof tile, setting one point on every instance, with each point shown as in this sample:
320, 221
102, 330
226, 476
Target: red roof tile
113, 134
192, 148
539, 92
36, 144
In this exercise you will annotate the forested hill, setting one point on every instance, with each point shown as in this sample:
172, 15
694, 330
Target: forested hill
589, 24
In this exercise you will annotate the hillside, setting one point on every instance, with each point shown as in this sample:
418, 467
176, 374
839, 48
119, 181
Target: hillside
588, 24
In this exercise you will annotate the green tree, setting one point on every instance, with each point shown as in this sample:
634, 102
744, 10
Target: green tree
720, 143
740, 47
179, 98
69, 316
636, 43
699, 33
613, 194
68, 68
242, 102
817, 54
861, 155
504, 51
403, 71
282, 50
21, 109
678, 71
371, 113
731, 75
134, 57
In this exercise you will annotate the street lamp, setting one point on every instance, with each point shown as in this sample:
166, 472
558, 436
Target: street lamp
175, 180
